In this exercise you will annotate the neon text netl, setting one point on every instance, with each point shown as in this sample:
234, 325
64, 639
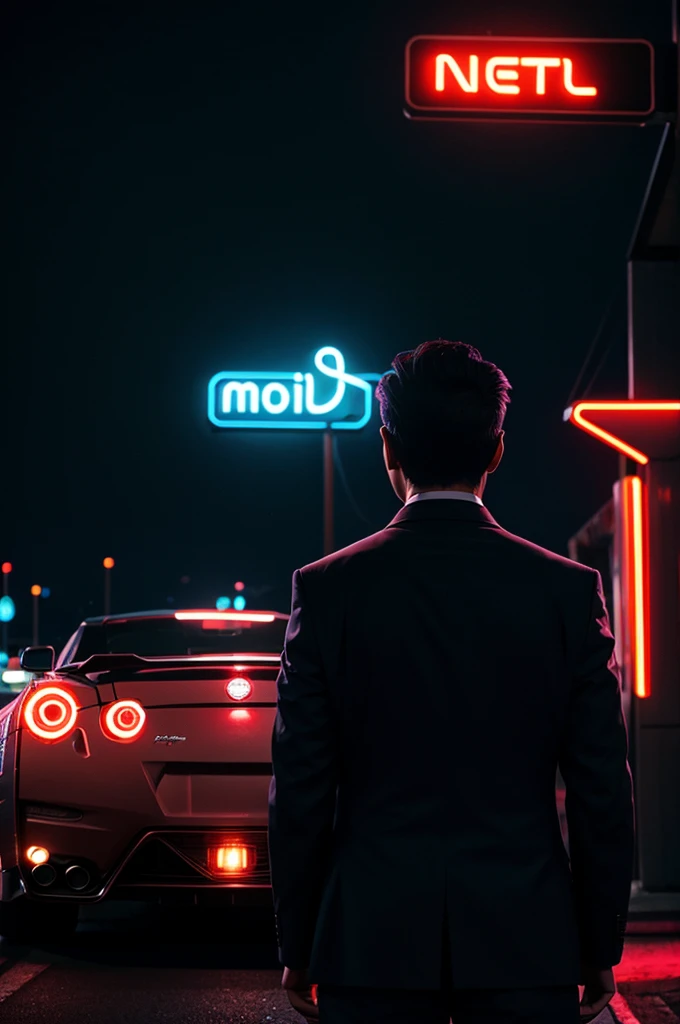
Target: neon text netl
501, 75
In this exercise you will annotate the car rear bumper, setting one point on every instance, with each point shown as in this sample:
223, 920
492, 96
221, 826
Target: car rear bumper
207, 896
158, 861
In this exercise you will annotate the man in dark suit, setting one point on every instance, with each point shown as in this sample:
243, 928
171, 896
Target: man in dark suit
434, 677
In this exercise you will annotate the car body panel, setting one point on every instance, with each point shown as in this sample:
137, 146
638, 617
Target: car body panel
144, 811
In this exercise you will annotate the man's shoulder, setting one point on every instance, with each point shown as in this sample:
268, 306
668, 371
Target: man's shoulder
361, 551
370, 552
533, 554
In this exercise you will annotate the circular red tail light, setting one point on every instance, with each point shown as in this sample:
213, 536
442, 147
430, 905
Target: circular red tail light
238, 688
50, 713
123, 720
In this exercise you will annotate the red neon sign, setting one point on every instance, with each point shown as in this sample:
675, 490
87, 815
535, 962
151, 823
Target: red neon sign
507, 76
656, 423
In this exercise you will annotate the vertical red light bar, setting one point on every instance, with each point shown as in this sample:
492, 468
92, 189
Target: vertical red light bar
636, 580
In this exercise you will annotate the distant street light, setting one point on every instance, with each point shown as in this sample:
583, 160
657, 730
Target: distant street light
36, 591
239, 603
222, 603
239, 586
108, 564
6, 570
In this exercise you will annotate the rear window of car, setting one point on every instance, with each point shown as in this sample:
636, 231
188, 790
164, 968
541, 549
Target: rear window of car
169, 638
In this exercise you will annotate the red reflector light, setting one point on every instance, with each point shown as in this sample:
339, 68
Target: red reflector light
231, 860
123, 720
50, 713
239, 688
239, 715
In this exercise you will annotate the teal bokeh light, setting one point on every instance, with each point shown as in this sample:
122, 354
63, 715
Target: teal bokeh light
222, 603
239, 602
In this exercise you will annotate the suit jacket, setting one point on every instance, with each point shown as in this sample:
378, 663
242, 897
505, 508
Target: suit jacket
434, 677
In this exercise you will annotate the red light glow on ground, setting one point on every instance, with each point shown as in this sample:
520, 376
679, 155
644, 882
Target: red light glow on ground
649, 959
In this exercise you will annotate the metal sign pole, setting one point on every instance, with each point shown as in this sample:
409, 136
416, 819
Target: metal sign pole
36, 606
328, 467
107, 591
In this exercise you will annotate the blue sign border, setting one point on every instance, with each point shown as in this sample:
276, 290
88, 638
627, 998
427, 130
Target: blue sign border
273, 424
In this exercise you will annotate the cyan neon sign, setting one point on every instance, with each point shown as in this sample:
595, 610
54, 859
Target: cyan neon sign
293, 400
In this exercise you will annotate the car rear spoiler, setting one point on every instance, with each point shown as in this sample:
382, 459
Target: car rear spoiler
106, 662
133, 663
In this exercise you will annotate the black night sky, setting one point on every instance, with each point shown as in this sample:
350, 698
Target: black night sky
195, 187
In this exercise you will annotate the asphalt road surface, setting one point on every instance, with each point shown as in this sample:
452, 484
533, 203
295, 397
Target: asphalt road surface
131, 964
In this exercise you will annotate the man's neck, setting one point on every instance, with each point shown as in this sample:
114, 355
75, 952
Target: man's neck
411, 490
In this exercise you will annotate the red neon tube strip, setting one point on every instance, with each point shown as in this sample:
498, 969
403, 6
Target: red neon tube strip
577, 417
636, 576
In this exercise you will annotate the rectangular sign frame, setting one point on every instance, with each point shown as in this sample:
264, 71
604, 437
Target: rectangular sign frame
276, 394
553, 115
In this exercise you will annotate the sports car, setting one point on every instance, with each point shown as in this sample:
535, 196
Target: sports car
137, 766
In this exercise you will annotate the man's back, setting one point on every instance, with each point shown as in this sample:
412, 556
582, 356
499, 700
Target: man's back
450, 648
447, 643
434, 677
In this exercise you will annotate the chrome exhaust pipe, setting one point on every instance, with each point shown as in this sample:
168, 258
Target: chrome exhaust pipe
43, 875
77, 877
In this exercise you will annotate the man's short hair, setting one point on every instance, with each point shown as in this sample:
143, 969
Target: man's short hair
444, 407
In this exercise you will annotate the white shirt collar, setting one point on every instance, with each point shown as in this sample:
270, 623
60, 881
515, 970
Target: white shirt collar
456, 495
